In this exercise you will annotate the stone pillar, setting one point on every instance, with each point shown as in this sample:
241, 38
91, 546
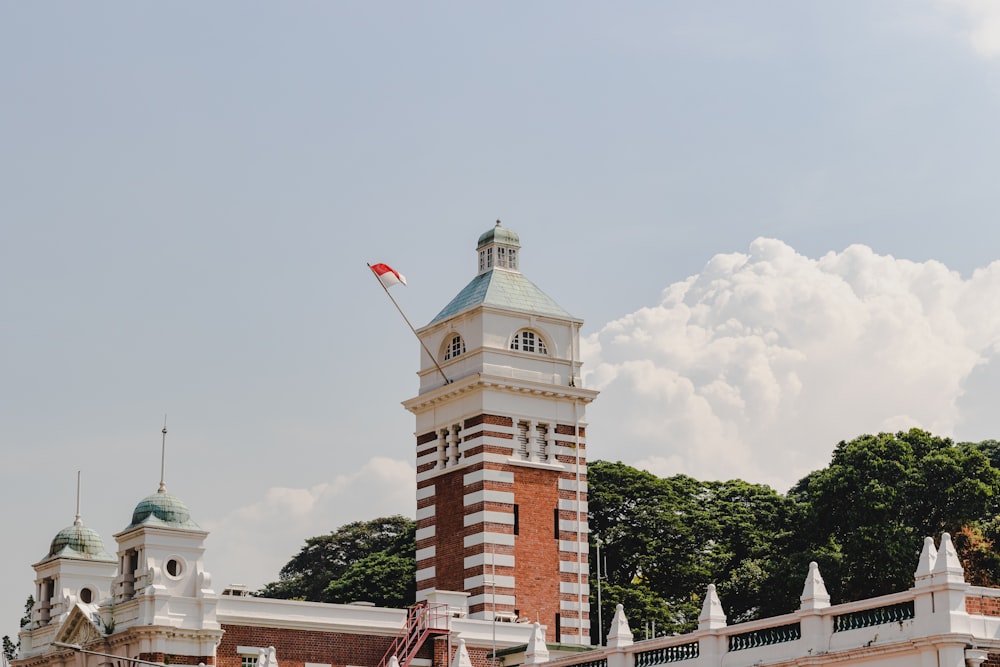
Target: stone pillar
816, 628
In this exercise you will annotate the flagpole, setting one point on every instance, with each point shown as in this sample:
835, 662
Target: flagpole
407, 320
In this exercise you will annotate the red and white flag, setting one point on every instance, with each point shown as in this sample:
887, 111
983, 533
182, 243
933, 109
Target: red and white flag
388, 275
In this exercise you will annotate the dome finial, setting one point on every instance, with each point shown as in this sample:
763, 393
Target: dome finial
163, 457
77, 521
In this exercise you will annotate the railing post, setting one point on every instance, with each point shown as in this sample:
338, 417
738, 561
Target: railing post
817, 628
621, 657
712, 648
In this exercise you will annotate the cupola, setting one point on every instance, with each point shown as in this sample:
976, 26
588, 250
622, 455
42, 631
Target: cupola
78, 541
76, 569
498, 249
162, 509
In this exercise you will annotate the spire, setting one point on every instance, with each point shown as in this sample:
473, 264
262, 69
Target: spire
712, 615
163, 458
925, 565
78, 521
461, 655
814, 595
537, 652
947, 564
620, 634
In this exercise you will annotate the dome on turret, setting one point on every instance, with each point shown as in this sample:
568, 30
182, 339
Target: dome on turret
162, 509
78, 541
499, 234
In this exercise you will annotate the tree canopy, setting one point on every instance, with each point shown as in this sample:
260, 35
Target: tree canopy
371, 561
863, 519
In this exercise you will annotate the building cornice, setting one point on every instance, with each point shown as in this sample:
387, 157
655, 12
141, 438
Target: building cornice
482, 381
497, 310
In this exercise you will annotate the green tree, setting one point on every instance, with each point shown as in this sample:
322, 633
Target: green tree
880, 496
29, 604
388, 580
10, 648
665, 539
334, 567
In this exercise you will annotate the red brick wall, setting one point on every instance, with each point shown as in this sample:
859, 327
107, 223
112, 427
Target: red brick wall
174, 659
449, 531
443, 658
536, 550
985, 606
294, 648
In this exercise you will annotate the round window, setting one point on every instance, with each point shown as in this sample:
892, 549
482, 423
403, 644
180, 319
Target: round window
174, 567
86, 595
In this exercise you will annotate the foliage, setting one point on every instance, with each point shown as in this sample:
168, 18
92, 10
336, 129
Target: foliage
388, 580
364, 560
862, 519
10, 648
29, 604
665, 539
882, 494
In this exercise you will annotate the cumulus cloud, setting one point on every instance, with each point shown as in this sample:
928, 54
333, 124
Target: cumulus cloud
757, 366
981, 24
251, 544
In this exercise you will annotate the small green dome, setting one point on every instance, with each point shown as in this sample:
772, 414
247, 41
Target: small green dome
499, 234
162, 509
78, 541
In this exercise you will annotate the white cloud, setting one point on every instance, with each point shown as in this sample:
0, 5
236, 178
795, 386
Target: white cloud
251, 544
760, 364
982, 24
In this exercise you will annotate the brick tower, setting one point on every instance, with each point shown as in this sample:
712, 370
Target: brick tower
501, 466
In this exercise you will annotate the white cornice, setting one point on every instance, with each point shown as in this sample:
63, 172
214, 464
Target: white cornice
489, 308
482, 381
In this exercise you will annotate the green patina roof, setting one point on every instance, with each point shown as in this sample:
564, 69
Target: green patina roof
499, 235
162, 509
78, 541
504, 289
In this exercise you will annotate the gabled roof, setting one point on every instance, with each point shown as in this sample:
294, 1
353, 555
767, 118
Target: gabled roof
82, 625
503, 289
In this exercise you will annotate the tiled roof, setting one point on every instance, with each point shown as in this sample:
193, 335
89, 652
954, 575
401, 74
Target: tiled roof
78, 541
504, 289
162, 509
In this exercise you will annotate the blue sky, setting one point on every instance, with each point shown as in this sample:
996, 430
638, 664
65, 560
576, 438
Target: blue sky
189, 194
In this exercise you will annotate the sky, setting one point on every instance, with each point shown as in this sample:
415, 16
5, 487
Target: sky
777, 219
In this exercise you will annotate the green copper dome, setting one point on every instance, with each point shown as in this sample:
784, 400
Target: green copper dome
162, 509
499, 234
78, 541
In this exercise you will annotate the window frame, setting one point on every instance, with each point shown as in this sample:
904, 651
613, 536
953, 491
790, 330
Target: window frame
519, 342
454, 346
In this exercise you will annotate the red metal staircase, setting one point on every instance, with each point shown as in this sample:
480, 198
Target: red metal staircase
422, 621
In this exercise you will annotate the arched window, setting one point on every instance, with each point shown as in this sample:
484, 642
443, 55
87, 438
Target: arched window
454, 347
526, 340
